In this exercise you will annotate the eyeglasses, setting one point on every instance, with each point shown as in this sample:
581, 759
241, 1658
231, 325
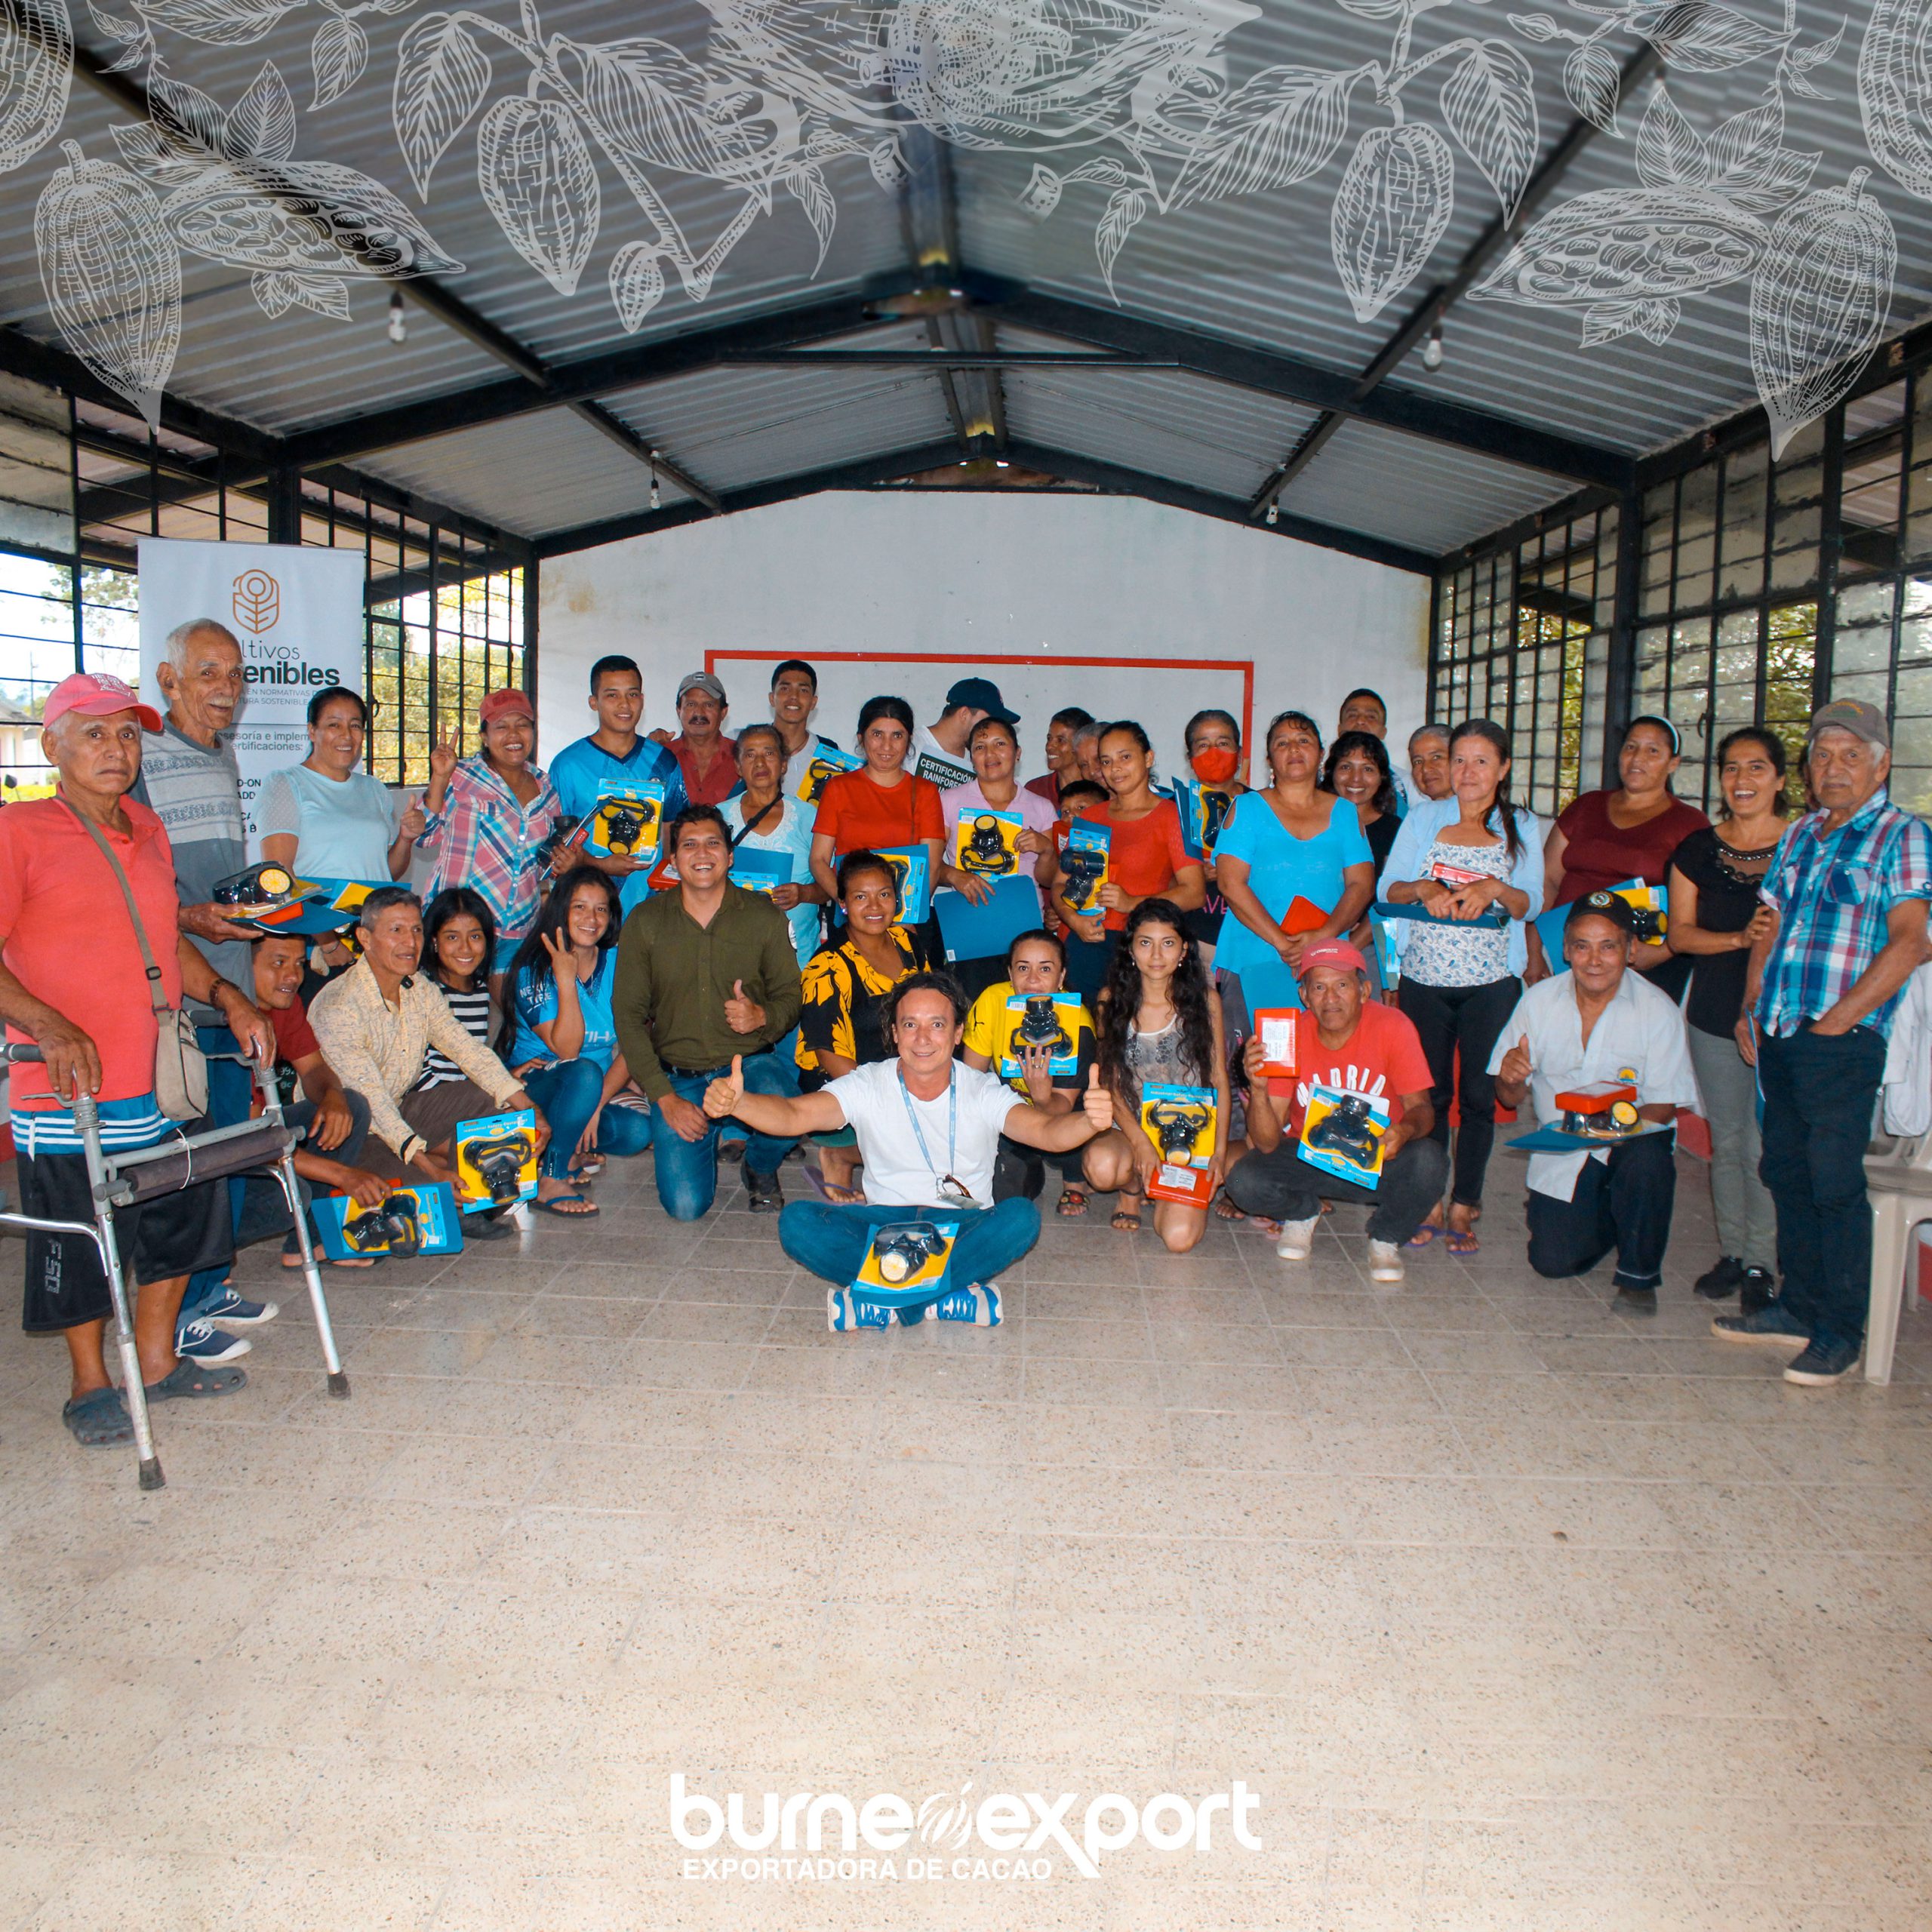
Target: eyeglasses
952, 1189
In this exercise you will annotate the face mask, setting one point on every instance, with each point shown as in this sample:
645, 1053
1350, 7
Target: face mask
1215, 764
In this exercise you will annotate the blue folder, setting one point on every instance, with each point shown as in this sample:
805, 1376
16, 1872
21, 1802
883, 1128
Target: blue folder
985, 932
1495, 916
1554, 1141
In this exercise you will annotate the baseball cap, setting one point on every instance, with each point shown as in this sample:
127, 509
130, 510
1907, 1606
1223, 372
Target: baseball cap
701, 681
508, 702
980, 694
1330, 952
96, 694
1852, 715
1603, 905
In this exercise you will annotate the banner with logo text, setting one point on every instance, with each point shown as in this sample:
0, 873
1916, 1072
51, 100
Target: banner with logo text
296, 612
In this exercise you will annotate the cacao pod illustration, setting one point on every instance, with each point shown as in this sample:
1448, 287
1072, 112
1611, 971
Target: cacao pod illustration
1820, 303
312, 217
637, 284
113, 275
1627, 245
36, 70
1395, 198
1895, 92
540, 182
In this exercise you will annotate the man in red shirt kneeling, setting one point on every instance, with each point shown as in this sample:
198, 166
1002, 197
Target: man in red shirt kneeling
1353, 1046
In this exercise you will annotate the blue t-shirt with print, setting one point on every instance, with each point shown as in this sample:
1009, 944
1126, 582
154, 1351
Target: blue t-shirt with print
537, 1005
577, 771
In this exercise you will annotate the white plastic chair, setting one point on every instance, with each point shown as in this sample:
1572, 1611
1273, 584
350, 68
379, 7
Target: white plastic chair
1898, 1174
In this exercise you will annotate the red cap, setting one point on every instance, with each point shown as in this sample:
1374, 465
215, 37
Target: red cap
506, 703
1330, 952
95, 694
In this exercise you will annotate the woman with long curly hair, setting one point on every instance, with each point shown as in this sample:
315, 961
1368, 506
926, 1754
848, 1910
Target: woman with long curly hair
1158, 1021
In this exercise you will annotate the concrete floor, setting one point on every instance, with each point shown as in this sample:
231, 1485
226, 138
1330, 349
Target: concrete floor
1513, 1613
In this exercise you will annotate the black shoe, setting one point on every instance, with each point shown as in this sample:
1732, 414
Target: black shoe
1721, 1283
1635, 1301
493, 1225
1759, 1290
1826, 1360
730, 1150
767, 1196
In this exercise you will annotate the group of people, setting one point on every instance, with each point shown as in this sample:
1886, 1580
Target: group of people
1392, 921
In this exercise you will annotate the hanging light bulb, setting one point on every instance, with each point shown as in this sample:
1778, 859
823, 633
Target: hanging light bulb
1274, 513
657, 500
1431, 349
398, 328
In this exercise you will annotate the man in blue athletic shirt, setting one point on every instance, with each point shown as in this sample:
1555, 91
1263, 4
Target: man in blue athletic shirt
615, 751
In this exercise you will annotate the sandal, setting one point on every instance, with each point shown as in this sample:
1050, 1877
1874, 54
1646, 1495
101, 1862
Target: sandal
838, 1195
1225, 1210
1462, 1241
190, 1378
97, 1419
585, 1210
1423, 1235
1126, 1220
347, 1261
1072, 1203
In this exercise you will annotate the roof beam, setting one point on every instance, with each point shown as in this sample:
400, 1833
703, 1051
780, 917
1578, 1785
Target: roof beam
871, 471
601, 420
1429, 312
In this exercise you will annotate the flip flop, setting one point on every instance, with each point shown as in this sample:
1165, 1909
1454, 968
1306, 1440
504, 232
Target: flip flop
1071, 1204
1126, 1220
1462, 1241
831, 1191
191, 1378
1422, 1236
555, 1205
98, 1418
295, 1261
1225, 1210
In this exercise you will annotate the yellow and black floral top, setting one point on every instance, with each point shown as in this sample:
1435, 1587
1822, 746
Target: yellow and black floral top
844, 1002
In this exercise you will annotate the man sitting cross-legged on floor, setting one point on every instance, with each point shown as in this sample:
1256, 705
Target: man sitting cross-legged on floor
1348, 1042
375, 1023
928, 1129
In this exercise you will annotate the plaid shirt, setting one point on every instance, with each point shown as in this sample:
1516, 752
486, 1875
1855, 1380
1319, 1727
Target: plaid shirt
1832, 891
486, 840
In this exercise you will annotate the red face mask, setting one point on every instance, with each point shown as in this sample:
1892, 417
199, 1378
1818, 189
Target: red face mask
1215, 764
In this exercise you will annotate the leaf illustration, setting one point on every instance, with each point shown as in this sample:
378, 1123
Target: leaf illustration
220, 22
1703, 39
441, 76
1116, 224
1277, 129
190, 122
1041, 196
1895, 92
1372, 10
144, 150
1735, 142
1395, 198
115, 25
36, 71
1592, 78
540, 182
1490, 103
1669, 153
637, 284
1535, 27
314, 217
1627, 245
339, 53
262, 128
278, 290
808, 186
1653, 321
648, 100
111, 275
1819, 302
1768, 180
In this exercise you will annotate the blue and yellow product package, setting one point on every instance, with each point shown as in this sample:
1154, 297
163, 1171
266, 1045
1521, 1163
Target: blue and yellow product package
419, 1218
986, 843
628, 821
912, 866
825, 764
496, 1160
1203, 812
1343, 1134
1180, 1121
1083, 864
1054, 1019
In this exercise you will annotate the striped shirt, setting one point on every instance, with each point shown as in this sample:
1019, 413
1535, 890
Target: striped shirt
472, 1015
124, 1126
1833, 892
487, 840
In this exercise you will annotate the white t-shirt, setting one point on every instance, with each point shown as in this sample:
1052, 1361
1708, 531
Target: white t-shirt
929, 759
873, 1099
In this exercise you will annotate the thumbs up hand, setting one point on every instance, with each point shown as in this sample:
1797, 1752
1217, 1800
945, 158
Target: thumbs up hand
741, 1014
722, 1096
1096, 1104
1516, 1066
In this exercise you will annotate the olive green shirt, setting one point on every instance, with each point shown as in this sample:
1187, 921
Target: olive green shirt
673, 976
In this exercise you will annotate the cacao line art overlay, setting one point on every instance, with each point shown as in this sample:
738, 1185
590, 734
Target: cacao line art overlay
1125, 105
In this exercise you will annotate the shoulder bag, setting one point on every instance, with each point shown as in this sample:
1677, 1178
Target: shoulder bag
180, 1068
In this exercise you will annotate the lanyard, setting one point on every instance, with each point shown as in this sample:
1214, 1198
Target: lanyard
952, 1123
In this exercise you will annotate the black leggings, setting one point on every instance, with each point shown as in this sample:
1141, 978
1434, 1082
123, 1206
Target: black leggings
1471, 1018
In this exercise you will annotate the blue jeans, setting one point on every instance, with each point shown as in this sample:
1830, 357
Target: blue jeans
687, 1169
1819, 1091
831, 1240
568, 1094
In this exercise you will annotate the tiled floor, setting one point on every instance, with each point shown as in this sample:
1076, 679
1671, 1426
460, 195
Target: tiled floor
1513, 1612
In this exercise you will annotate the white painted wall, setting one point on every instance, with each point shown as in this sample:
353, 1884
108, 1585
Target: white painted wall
973, 577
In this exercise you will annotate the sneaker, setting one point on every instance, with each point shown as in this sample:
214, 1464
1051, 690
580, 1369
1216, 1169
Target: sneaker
1772, 1325
1759, 1290
1297, 1240
239, 1313
1825, 1360
844, 1312
203, 1342
767, 1196
1633, 1301
1384, 1261
1721, 1283
979, 1305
